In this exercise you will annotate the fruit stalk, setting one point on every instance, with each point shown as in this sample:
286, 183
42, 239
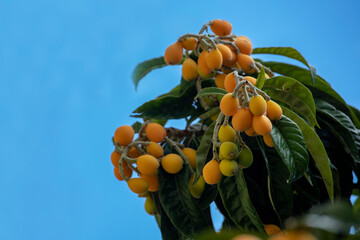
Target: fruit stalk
198, 88
214, 141
120, 164
238, 86
217, 40
239, 138
267, 69
204, 27
134, 168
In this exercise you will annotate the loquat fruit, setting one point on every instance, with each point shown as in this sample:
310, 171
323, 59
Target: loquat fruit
246, 63
211, 172
189, 70
257, 105
155, 132
173, 54
228, 167
190, 154
242, 119
226, 134
229, 105
155, 149
172, 163
147, 164
189, 43
228, 150
214, 59
221, 27
262, 125
274, 111
124, 135
138, 185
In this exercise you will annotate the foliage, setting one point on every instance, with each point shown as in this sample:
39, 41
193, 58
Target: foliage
316, 151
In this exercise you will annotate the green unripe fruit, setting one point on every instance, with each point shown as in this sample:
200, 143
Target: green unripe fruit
150, 206
196, 189
226, 134
228, 167
228, 150
245, 157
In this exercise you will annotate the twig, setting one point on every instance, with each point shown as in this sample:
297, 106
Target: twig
214, 141
237, 51
267, 69
198, 88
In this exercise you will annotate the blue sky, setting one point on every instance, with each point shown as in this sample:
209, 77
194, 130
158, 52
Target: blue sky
65, 70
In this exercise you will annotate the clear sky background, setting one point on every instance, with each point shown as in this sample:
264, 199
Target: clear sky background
65, 70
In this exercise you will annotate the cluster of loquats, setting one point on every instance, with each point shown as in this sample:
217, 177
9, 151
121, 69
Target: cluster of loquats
231, 158
145, 155
245, 108
207, 55
238, 150
251, 109
226, 57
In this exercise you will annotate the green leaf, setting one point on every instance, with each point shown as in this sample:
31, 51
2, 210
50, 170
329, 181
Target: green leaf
210, 91
209, 113
316, 149
162, 122
294, 94
341, 162
341, 126
287, 52
260, 79
136, 126
182, 209
279, 189
355, 115
174, 105
290, 144
357, 205
184, 84
145, 67
168, 231
355, 111
322, 89
169, 106
203, 115
208, 196
237, 202
203, 150
283, 51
